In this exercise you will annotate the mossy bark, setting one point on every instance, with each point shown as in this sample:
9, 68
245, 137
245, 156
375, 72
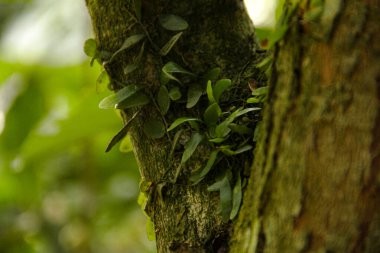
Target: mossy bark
315, 184
315, 180
220, 34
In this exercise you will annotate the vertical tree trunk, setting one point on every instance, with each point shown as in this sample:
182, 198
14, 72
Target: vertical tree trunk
315, 184
315, 179
220, 34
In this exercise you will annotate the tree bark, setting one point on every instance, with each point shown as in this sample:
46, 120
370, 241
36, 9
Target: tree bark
314, 184
315, 179
220, 34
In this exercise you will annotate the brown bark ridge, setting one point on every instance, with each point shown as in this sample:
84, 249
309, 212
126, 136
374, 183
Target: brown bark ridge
220, 34
315, 184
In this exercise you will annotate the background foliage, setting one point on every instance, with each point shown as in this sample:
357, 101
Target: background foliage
59, 191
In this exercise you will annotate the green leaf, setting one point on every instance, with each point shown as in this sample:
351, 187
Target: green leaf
175, 93
216, 186
150, 229
265, 63
163, 99
240, 129
137, 99
199, 175
236, 197
190, 146
130, 68
226, 150
193, 95
129, 42
256, 133
222, 130
217, 140
210, 93
169, 45
173, 22
212, 114
122, 133
154, 128
220, 87
126, 145
103, 55
225, 193
226, 199
166, 77
89, 47
102, 81
175, 141
212, 74
194, 125
254, 100
126, 92
180, 121
137, 59
247, 110
170, 68
260, 91
137, 6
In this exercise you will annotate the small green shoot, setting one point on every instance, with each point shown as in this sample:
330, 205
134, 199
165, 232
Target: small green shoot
210, 93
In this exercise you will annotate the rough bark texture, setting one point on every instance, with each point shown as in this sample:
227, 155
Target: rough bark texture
315, 179
220, 34
315, 184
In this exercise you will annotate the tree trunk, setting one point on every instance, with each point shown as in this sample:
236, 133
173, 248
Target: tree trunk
314, 184
315, 179
220, 34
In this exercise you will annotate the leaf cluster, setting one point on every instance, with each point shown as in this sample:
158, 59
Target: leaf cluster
223, 127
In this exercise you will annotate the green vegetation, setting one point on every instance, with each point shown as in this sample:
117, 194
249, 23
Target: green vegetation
222, 126
59, 191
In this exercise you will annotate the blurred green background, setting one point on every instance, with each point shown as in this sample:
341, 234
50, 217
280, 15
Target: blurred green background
59, 191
